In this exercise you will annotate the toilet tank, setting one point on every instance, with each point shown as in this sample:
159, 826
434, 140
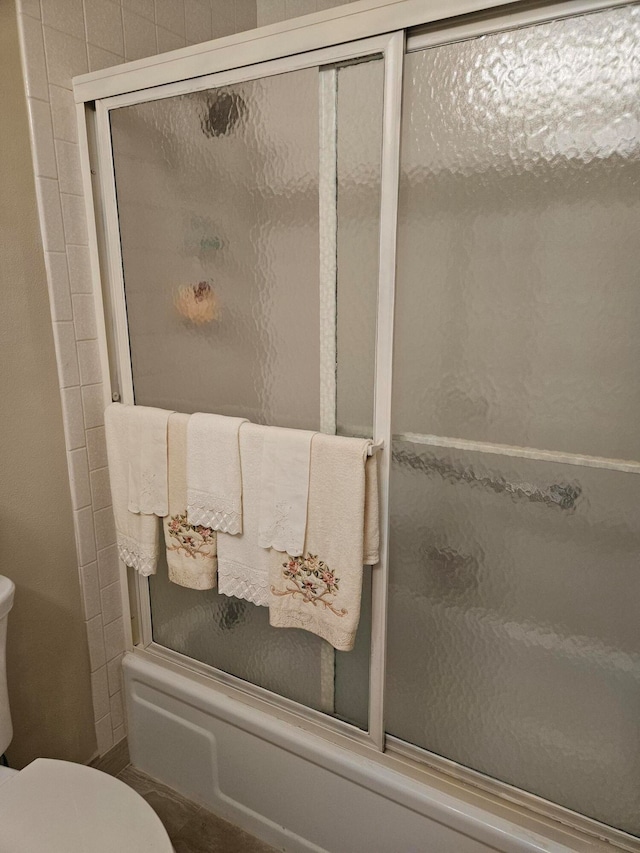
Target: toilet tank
7, 588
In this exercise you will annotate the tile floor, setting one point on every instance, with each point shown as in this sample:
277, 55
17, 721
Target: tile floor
191, 828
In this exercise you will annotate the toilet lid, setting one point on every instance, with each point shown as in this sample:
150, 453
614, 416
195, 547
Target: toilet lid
61, 807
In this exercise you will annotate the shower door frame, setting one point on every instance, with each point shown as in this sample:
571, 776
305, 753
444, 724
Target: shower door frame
375, 27
391, 49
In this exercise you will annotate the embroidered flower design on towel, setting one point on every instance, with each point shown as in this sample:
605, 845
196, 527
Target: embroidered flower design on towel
189, 539
311, 580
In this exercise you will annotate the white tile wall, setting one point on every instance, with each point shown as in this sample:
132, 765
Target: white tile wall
65, 341
36, 81
139, 36
41, 127
197, 21
100, 490
100, 689
105, 734
111, 602
68, 162
74, 218
114, 675
108, 567
89, 361
103, 21
223, 18
92, 405
99, 58
79, 269
61, 39
85, 535
117, 711
79, 480
271, 11
91, 594
63, 15
114, 638
105, 529
146, 8
50, 211
73, 418
32, 8
58, 276
170, 16
66, 56
95, 637
63, 114
96, 448
169, 41
84, 316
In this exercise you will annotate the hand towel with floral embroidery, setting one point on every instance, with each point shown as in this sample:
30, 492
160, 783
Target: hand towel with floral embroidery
147, 450
320, 590
284, 489
136, 533
214, 481
191, 550
243, 566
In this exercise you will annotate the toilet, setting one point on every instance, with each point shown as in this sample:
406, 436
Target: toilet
62, 807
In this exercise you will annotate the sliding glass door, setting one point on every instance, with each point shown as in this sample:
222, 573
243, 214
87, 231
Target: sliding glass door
248, 224
267, 221
515, 545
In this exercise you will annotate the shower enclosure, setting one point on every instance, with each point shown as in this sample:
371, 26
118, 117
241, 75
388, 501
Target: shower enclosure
427, 237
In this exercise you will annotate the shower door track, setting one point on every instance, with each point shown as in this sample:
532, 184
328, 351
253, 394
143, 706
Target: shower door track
378, 29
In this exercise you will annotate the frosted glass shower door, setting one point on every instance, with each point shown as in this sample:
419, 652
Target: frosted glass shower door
515, 528
225, 207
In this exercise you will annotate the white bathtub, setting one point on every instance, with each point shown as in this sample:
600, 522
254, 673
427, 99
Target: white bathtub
300, 792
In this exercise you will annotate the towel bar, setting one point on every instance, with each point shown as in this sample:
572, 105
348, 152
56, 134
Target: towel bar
375, 447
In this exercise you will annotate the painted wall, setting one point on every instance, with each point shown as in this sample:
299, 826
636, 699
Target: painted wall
47, 657
61, 39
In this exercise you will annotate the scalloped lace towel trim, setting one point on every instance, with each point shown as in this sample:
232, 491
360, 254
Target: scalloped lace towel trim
243, 567
214, 479
225, 518
240, 580
142, 558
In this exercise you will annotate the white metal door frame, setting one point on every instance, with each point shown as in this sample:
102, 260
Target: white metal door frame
391, 48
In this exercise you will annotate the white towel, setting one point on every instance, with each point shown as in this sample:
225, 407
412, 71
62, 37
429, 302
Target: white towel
147, 451
321, 590
136, 533
243, 566
284, 489
214, 481
371, 512
191, 551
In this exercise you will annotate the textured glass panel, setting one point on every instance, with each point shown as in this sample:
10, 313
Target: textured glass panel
518, 300
218, 205
359, 140
513, 639
235, 636
513, 623
221, 187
